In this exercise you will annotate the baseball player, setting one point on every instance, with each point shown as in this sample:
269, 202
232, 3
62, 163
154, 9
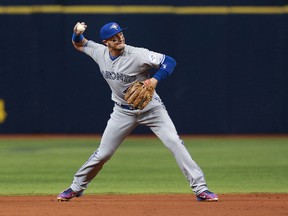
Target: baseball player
121, 65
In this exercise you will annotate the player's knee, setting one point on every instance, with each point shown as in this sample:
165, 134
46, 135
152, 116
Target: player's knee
103, 155
173, 139
173, 143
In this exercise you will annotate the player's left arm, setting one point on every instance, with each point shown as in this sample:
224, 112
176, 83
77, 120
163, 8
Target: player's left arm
166, 69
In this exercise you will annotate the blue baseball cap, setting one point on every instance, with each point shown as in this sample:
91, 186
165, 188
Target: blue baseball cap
109, 30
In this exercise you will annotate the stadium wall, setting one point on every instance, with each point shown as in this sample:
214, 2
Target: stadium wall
231, 76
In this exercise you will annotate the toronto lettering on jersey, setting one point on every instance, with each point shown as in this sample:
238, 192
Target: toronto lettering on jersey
118, 76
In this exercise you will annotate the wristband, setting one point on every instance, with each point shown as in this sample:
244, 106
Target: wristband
166, 68
77, 38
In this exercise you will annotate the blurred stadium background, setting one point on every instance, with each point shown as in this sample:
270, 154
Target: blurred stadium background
231, 76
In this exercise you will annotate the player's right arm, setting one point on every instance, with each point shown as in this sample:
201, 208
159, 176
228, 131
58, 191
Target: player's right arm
78, 39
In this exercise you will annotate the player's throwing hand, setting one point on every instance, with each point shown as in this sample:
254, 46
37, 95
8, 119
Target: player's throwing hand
79, 28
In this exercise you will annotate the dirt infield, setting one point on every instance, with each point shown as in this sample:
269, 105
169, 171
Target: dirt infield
138, 205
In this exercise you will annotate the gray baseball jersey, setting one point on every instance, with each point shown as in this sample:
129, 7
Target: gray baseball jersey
134, 64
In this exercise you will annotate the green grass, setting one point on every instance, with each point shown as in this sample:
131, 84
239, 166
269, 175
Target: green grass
231, 165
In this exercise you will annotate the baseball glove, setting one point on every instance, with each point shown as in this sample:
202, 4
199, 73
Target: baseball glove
139, 95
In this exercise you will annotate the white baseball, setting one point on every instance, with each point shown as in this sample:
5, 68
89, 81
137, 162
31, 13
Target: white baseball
80, 28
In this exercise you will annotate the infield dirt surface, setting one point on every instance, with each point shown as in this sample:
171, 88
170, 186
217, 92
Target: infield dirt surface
154, 205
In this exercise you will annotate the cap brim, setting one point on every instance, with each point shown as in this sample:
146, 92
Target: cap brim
121, 30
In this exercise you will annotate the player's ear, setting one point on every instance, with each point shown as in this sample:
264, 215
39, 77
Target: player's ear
105, 42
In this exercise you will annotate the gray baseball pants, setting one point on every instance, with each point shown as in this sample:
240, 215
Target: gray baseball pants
120, 125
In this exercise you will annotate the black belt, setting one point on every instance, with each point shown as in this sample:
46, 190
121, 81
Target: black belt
129, 107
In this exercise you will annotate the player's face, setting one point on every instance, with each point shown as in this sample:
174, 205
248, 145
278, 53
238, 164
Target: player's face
117, 42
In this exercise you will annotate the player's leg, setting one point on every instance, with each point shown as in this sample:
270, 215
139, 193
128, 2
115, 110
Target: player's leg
162, 125
118, 128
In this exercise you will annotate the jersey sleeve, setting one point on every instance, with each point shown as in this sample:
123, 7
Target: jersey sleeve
93, 49
152, 59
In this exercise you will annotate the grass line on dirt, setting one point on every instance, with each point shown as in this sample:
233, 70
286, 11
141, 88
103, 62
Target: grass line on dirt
143, 165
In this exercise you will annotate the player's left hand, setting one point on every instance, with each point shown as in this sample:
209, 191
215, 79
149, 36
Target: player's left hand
139, 94
151, 82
